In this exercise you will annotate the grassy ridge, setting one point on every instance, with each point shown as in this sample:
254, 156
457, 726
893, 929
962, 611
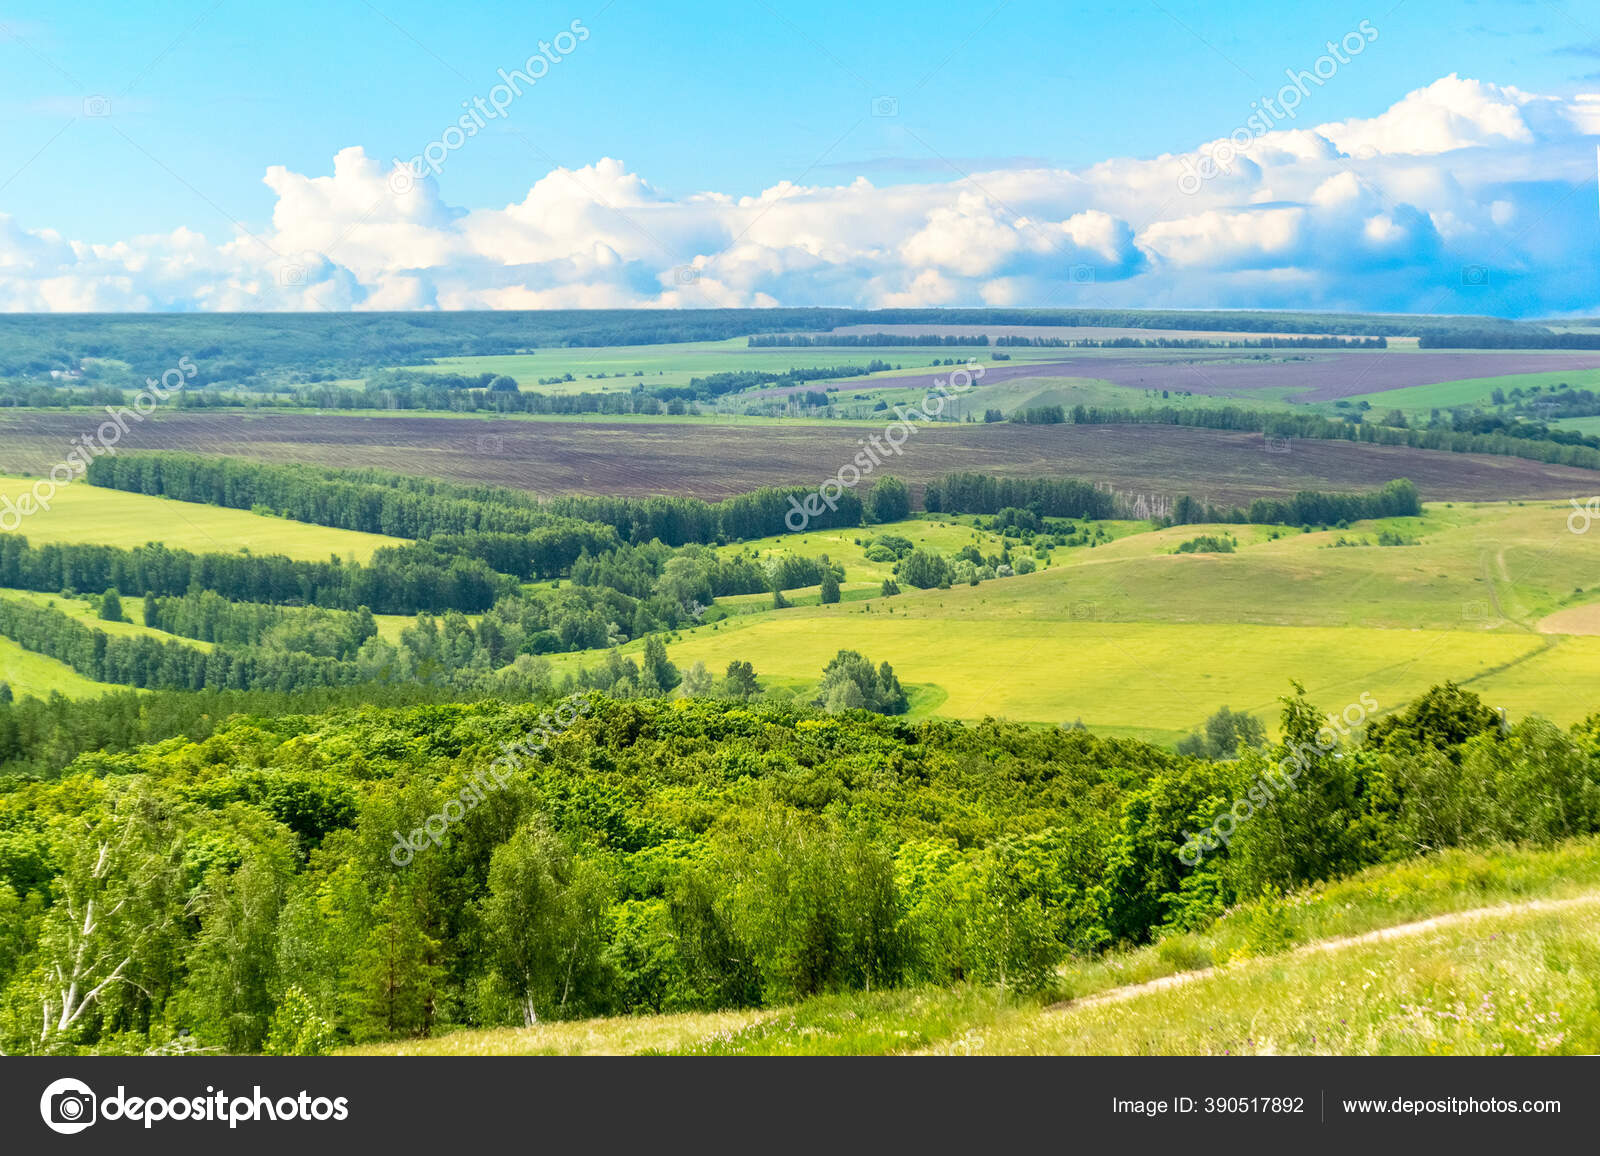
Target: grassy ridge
1509, 982
1518, 983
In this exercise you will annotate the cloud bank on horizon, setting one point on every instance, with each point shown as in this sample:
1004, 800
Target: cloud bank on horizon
1464, 196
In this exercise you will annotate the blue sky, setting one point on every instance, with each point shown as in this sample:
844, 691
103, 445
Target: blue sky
204, 98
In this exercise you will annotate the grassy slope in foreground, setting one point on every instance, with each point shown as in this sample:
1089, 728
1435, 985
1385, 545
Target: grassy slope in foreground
1521, 977
96, 516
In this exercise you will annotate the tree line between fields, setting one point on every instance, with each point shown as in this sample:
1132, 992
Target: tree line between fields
568, 574
288, 882
401, 505
247, 348
1463, 430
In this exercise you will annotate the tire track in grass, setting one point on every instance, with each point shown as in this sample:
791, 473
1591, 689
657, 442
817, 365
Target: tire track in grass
1398, 931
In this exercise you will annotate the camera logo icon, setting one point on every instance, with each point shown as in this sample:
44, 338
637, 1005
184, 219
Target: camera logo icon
291, 275
68, 1106
403, 177
1474, 276
885, 106
97, 106
1081, 274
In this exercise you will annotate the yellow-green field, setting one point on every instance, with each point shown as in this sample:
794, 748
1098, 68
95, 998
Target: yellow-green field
1502, 597
1116, 676
34, 674
626, 366
1420, 399
80, 512
83, 611
1126, 631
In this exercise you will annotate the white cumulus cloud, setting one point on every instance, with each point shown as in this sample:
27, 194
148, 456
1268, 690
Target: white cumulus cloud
1377, 213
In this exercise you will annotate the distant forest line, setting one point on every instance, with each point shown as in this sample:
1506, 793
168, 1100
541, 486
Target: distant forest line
239, 346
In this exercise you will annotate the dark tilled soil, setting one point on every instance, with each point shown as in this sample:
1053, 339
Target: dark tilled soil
710, 461
1320, 376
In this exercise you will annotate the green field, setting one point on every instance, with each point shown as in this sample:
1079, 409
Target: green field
34, 674
1493, 596
1420, 399
1127, 631
1026, 392
37, 675
82, 610
1513, 983
675, 364
84, 513
1583, 425
1116, 677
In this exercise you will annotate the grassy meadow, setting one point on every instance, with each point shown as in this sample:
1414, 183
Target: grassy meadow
1421, 399
36, 674
666, 365
1492, 596
80, 512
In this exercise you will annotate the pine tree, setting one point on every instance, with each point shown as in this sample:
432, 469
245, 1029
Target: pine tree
396, 972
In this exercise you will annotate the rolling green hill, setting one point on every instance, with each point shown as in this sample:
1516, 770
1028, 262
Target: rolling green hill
1104, 632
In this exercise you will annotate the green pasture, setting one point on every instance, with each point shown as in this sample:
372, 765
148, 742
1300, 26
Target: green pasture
84, 611
1476, 391
675, 364
1128, 631
34, 674
89, 514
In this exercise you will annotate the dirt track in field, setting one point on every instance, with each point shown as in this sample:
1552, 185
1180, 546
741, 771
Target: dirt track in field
1323, 947
713, 461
